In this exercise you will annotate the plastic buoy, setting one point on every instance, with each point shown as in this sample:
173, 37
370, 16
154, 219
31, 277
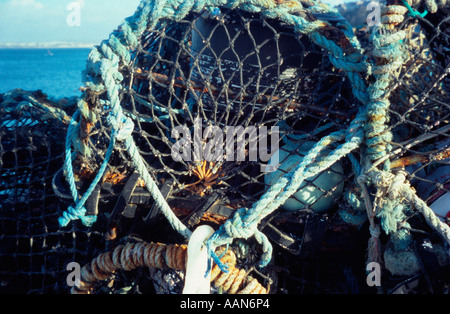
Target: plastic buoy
317, 193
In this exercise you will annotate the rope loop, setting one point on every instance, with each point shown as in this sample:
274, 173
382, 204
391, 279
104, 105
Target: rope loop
368, 128
74, 213
239, 227
123, 127
414, 13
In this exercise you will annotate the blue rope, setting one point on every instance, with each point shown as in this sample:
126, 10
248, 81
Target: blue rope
369, 127
245, 221
104, 62
413, 12
388, 48
79, 211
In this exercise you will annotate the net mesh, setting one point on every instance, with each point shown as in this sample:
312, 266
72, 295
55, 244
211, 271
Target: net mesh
419, 114
227, 68
34, 250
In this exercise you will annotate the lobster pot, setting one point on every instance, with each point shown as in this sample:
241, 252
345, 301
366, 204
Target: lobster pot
34, 251
228, 68
246, 62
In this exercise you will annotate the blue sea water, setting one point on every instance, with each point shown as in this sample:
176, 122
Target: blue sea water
57, 72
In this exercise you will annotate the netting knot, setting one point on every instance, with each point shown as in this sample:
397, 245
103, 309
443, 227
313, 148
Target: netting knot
362, 179
397, 184
74, 214
123, 127
389, 184
238, 227
375, 231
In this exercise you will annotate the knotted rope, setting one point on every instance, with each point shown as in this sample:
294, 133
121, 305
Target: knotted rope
369, 129
394, 195
105, 59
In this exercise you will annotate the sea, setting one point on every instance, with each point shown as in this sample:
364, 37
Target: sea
56, 72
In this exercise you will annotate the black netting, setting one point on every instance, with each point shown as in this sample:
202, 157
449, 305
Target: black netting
420, 115
34, 250
177, 78
232, 69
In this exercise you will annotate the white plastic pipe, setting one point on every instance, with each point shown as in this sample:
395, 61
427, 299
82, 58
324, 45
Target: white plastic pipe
195, 281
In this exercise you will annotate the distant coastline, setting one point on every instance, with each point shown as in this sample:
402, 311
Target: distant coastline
47, 45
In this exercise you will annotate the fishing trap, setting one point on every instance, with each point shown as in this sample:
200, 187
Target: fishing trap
184, 108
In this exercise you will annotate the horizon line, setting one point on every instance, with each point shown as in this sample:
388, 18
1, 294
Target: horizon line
49, 45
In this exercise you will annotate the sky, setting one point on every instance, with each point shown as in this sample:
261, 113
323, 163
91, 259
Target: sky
90, 21
40, 21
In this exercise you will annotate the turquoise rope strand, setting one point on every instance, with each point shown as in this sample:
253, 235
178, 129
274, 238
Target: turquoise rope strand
369, 127
79, 211
413, 12
104, 61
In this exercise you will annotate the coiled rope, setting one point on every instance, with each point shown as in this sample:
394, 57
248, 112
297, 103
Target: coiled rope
161, 256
